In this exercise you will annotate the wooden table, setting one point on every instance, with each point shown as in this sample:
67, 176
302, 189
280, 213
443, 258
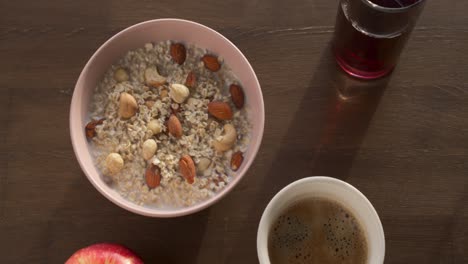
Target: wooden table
405, 147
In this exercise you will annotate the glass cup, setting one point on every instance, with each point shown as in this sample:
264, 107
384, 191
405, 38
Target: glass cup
370, 34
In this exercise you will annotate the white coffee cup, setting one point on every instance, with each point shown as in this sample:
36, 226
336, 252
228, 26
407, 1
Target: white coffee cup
331, 189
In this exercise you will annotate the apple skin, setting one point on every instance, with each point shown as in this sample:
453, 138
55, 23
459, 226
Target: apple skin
104, 253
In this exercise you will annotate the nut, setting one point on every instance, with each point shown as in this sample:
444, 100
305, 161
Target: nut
90, 128
153, 176
149, 103
154, 126
237, 95
220, 110
121, 75
236, 160
187, 168
203, 164
153, 78
226, 141
178, 92
174, 126
128, 105
191, 80
149, 149
178, 53
211, 63
114, 163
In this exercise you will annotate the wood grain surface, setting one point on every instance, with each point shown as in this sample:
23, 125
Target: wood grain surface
402, 141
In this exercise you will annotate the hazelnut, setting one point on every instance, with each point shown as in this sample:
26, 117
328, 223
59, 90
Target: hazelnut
178, 92
128, 105
154, 126
114, 163
121, 75
203, 164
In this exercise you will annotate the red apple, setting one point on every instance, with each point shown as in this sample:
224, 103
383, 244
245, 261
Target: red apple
104, 253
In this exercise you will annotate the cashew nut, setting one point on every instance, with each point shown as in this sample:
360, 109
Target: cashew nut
149, 149
154, 126
120, 75
178, 92
153, 78
227, 140
127, 105
114, 163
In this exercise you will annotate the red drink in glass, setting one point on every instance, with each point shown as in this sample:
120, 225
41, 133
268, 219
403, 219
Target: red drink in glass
370, 35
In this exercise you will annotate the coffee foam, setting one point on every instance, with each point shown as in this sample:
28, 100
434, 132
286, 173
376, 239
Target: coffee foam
317, 231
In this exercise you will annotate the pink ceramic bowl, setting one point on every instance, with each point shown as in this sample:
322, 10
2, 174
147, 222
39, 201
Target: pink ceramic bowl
132, 38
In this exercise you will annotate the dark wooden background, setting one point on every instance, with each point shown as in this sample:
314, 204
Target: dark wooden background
405, 147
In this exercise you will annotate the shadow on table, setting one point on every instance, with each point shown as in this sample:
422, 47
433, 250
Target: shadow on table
451, 247
328, 126
348, 114
85, 217
324, 135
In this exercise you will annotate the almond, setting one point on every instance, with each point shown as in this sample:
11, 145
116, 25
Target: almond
90, 128
187, 168
153, 176
220, 110
237, 95
203, 164
174, 126
191, 80
236, 160
211, 63
178, 53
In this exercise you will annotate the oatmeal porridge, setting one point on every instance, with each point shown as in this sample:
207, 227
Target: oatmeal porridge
168, 125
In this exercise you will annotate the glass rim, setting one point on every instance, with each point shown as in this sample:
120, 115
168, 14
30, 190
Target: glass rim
392, 9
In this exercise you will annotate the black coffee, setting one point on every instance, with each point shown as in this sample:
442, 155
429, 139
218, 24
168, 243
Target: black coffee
317, 231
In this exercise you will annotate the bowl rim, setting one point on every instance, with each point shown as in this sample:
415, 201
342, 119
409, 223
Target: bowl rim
154, 212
